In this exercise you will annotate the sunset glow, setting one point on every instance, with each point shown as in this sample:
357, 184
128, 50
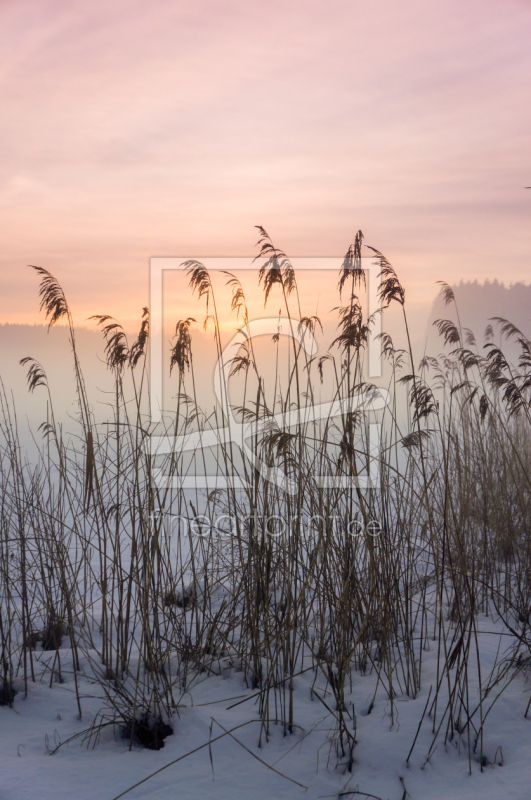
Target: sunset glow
130, 131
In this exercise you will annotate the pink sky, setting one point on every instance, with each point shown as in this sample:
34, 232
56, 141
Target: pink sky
132, 129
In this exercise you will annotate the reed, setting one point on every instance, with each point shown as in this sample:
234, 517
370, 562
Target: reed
361, 580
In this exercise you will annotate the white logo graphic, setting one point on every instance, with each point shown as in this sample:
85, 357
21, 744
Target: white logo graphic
242, 433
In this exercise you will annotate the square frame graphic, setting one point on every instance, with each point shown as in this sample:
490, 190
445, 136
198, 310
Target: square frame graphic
162, 444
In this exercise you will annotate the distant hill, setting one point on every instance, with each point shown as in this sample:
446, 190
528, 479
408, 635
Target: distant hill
477, 303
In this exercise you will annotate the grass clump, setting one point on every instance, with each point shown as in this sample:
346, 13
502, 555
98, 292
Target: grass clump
7, 694
353, 580
147, 733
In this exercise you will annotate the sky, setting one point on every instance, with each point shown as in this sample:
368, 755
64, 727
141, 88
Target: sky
130, 130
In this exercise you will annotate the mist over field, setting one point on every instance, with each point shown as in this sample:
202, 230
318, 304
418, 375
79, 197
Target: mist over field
478, 303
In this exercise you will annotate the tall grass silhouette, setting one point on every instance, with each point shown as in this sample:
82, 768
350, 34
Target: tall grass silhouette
327, 579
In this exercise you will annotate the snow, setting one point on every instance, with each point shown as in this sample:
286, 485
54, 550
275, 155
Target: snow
104, 769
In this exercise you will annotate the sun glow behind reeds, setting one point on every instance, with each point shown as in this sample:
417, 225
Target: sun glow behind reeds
278, 579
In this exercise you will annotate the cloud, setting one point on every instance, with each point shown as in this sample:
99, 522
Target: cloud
131, 130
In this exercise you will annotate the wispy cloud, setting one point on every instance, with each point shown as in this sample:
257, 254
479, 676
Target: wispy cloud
131, 130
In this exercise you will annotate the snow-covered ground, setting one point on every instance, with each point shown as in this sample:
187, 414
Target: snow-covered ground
234, 767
